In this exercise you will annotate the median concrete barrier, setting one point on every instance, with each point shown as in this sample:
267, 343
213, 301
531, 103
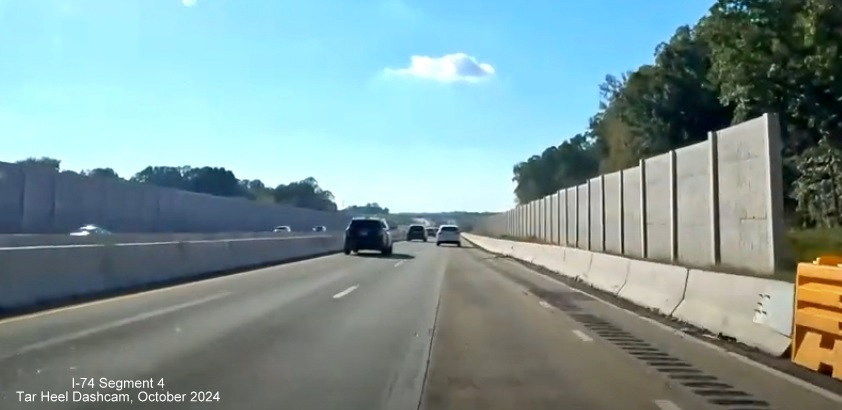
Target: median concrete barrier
499, 246
31, 277
549, 256
530, 252
607, 272
576, 262
17, 240
750, 310
657, 286
727, 304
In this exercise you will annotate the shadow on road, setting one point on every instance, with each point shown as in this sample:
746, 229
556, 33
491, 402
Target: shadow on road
401, 256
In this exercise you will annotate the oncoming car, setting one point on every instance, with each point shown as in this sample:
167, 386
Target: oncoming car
282, 228
89, 230
449, 234
319, 228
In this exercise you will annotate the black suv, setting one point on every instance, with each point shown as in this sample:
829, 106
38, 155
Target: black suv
416, 232
368, 234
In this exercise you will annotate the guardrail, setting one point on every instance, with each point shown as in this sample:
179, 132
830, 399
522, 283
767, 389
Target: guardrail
817, 321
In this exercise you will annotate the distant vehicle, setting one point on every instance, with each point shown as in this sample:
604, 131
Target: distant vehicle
368, 234
282, 228
448, 234
416, 232
431, 231
89, 230
319, 228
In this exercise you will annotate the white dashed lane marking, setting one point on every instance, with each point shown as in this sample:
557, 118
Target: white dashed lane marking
345, 292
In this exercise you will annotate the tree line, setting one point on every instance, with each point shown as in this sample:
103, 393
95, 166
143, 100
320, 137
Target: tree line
219, 181
742, 59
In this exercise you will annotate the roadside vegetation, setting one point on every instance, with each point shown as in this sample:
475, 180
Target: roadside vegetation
219, 181
743, 59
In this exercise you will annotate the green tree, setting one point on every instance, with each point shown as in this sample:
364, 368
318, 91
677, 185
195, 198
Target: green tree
164, 176
305, 194
660, 106
783, 57
51, 163
745, 58
818, 190
212, 181
371, 208
570, 163
219, 181
780, 56
256, 190
101, 173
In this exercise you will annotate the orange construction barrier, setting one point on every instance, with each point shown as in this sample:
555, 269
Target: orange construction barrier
817, 316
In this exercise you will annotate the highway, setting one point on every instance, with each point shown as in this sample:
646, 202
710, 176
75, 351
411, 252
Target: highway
429, 327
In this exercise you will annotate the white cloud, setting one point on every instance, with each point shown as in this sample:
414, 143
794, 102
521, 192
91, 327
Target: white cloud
458, 67
188, 3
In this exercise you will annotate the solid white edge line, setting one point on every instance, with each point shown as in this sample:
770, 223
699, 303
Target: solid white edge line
345, 292
666, 405
582, 335
111, 325
744, 359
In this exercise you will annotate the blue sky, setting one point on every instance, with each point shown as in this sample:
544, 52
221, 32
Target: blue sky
370, 97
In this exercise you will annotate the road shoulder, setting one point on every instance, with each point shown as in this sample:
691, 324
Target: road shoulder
496, 347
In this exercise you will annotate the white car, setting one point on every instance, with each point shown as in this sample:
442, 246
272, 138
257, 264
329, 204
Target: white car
282, 228
449, 234
319, 228
89, 230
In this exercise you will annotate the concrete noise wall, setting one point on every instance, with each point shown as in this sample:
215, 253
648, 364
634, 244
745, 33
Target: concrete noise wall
715, 203
38, 200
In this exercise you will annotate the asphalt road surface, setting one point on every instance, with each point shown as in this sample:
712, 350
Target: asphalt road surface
428, 327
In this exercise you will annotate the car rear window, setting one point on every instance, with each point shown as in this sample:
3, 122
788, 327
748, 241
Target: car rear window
416, 228
449, 229
366, 224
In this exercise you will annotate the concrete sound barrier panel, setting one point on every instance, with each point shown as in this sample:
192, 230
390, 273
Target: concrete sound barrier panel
656, 286
727, 304
607, 272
